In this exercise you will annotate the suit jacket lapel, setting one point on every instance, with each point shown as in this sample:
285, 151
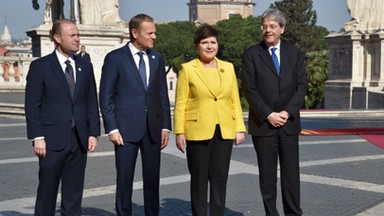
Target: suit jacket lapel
153, 62
222, 77
79, 76
267, 58
284, 62
58, 71
135, 70
199, 70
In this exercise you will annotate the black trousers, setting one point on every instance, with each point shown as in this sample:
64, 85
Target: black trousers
208, 161
285, 149
67, 166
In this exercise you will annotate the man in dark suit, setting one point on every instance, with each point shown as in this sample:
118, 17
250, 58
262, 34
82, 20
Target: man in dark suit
274, 79
136, 112
62, 120
83, 54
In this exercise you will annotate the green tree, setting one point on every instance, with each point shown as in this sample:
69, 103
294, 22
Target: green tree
237, 34
175, 42
317, 74
318, 41
301, 29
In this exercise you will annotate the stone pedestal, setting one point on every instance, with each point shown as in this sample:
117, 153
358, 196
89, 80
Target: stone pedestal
41, 40
356, 66
359, 98
98, 40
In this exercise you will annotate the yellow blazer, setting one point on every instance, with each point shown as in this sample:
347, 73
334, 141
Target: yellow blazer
197, 106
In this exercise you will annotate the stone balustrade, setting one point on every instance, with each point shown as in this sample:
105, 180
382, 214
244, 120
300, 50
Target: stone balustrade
13, 72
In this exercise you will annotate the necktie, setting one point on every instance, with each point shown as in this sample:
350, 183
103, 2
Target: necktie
275, 60
70, 77
142, 70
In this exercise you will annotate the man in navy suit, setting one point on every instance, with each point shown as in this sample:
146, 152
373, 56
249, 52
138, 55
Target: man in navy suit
274, 79
83, 54
136, 112
62, 120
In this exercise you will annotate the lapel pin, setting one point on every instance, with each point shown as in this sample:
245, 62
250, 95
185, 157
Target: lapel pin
153, 57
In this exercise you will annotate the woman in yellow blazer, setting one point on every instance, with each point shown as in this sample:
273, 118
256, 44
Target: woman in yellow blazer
208, 120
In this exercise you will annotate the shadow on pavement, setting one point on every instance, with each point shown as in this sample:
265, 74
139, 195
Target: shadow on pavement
179, 207
174, 207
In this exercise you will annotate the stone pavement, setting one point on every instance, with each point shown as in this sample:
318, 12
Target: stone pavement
340, 175
12, 97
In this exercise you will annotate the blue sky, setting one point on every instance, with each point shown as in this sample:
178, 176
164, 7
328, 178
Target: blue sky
21, 17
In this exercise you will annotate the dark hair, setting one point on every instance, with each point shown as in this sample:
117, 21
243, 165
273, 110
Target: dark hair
275, 15
136, 21
205, 31
56, 28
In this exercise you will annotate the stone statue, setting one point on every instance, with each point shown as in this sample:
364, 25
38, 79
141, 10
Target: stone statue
365, 14
48, 12
376, 19
99, 12
91, 12
53, 11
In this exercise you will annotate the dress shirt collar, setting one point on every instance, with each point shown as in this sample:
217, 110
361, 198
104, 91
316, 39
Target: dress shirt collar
62, 58
277, 47
134, 50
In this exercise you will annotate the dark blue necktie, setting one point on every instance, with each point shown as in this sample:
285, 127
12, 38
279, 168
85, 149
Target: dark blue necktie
70, 77
142, 69
275, 60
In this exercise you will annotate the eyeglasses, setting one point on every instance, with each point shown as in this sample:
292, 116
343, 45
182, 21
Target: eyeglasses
272, 27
